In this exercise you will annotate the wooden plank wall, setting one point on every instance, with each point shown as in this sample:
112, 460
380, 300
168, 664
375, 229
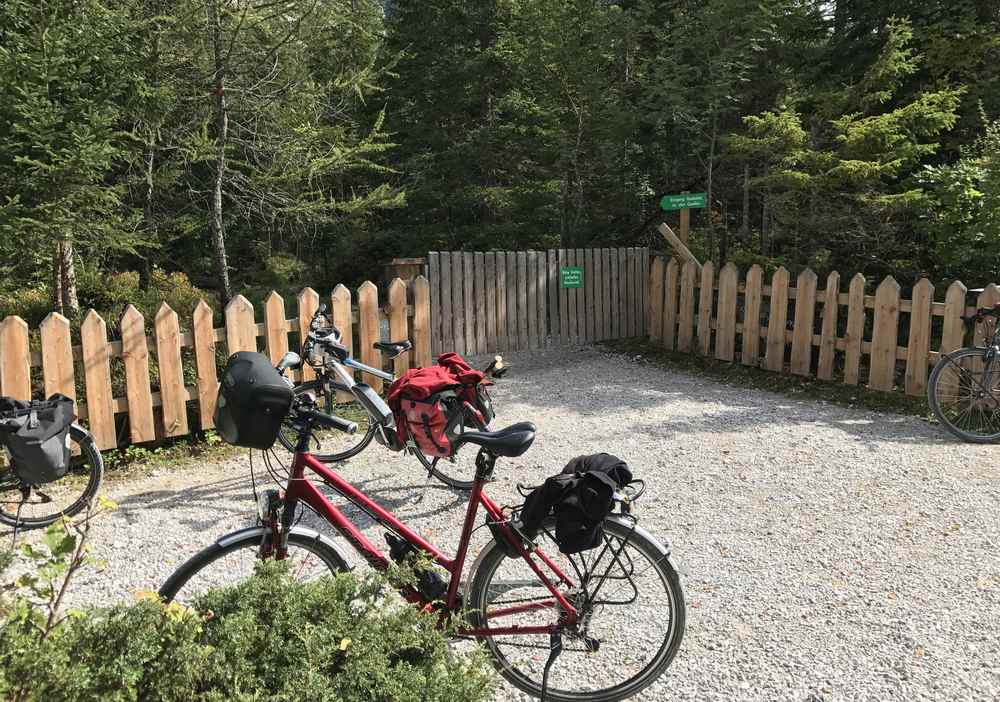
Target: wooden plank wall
170, 365
851, 336
517, 302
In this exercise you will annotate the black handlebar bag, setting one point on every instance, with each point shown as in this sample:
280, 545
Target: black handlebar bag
253, 401
37, 435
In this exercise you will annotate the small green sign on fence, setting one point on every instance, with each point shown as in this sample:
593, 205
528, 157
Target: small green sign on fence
571, 277
684, 201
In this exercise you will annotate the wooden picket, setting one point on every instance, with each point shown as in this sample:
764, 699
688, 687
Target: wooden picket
15, 367
368, 331
57, 356
698, 304
135, 354
204, 357
421, 322
173, 394
308, 303
100, 411
398, 327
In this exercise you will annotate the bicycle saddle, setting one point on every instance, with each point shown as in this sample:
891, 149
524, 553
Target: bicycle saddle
393, 348
510, 441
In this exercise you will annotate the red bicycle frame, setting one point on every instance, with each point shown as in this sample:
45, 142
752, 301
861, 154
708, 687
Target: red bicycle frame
301, 489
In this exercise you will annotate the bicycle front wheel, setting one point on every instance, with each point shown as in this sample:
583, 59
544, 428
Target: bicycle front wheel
332, 446
233, 558
629, 598
27, 506
964, 394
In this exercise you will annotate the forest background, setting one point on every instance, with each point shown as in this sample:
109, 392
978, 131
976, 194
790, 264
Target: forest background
169, 149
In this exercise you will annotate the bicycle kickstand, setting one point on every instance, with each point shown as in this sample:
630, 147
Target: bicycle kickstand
555, 648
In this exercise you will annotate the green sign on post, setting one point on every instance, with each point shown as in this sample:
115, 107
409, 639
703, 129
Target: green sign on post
684, 201
571, 277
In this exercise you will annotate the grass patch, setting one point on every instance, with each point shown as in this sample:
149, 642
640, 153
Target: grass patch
135, 461
744, 376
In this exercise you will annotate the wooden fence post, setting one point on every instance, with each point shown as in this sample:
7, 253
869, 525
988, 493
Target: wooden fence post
457, 304
398, 327
97, 371
340, 308
750, 355
479, 280
513, 341
805, 316
275, 326
241, 329
828, 335
706, 298
15, 360
774, 355
669, 334
855, 332
625, 330
421, 322
685, 321
656, 301
368, 331
725, 332
57, 356
953, 335
204, 357
531, 285
173, 394
446, 322
608, 293
469, 303
434, 280
490, 285
135, 355
885, 329
541, 276
918, 345
503, 342
308, 303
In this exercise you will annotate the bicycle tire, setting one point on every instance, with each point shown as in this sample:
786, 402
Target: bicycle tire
92, 457
325, 394
936, 393
249, 539
492, 560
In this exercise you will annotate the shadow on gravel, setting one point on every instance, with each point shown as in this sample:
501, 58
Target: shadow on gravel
865, 431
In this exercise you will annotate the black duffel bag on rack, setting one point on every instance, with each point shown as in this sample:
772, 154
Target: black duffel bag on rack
37, 435
580, 497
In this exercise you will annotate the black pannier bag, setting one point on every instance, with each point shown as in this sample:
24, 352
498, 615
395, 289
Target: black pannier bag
253, 401
37, 435
580, 497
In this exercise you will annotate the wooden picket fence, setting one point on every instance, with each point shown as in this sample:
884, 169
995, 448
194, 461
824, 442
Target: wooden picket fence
172, 407
779, 328
490, 301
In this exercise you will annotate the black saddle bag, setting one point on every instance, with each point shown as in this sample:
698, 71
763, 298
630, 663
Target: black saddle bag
580, 497
37, 435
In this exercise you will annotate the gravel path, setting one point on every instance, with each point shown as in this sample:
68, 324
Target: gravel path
826, 553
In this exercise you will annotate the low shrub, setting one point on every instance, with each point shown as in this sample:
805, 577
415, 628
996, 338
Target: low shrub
269, 638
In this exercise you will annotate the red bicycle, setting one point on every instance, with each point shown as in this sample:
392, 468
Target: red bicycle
615, 613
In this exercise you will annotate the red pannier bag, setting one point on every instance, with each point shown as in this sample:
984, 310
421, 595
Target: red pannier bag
415, 401
473, 383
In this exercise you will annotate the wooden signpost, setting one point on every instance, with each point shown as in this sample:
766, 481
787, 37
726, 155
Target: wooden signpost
684, 202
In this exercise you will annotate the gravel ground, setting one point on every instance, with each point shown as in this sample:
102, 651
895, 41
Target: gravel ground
827, 553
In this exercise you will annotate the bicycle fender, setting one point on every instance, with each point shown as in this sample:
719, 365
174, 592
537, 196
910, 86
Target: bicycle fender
260, 531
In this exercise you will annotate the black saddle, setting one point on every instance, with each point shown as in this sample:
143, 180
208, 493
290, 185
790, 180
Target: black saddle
393, 348
510, 441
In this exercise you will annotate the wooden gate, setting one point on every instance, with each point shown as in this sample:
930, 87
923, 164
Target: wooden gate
499, 301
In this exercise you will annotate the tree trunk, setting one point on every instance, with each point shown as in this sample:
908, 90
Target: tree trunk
57, 298
745, 224
221, 135
67, 279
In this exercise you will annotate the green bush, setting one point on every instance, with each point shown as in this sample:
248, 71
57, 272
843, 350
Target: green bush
269, 638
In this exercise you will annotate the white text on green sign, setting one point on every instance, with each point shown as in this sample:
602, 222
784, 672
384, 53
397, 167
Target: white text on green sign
571, 277
684, 201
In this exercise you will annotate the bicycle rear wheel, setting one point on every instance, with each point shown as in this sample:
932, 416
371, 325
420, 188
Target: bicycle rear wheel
29, 506
630, 600
233, 558
964, 394
331, 446
458, 469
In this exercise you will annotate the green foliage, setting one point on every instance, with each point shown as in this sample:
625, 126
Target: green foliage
271, 637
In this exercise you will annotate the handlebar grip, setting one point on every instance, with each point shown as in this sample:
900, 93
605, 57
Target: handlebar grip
331, 421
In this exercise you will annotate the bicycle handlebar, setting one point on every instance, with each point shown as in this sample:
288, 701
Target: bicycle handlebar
330, 421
